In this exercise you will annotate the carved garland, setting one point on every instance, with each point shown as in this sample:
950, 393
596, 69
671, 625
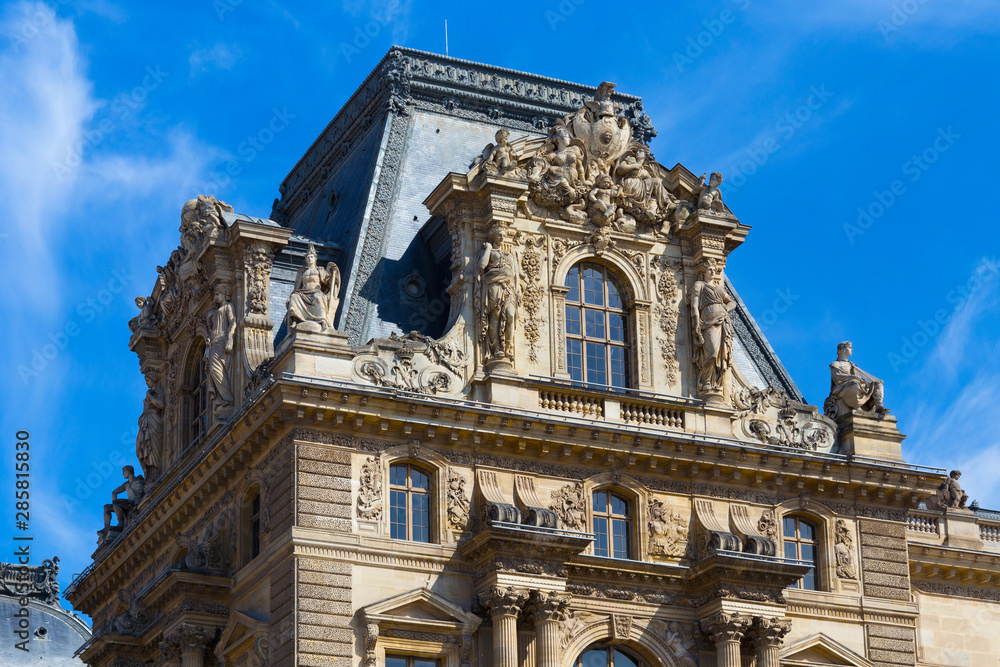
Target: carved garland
667, 312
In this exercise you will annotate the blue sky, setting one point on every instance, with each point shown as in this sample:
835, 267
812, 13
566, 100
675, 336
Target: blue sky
858, 138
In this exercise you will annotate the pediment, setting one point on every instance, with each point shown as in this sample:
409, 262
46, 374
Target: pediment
818, 650
420, 608
241, 635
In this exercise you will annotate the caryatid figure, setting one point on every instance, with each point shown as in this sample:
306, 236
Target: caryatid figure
221, 328
712, 330
500, 296
315, 297
852, 388
150, 437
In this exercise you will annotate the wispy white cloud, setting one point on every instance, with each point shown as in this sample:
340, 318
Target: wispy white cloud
219, 56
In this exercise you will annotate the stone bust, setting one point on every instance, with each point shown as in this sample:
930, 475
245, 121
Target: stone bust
852, 388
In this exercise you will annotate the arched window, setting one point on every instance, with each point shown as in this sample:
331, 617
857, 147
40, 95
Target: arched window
802, 542
612, 529
196, 391
597, 341
409, 503
602, 655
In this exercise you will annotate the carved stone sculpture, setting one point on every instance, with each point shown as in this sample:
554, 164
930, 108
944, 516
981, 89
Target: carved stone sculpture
370, 493
500, 296
852, 388
568, 502
712, 330
149, 440
500, 158
315, 297
709, 197
645, 196
458, 502
134, 487
844, 551
668, 530
680, 644
220, 329
950, 493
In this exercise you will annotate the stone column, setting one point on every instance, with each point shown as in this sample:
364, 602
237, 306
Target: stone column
504, 604
547, 611
766, 636
726, 631
193, 642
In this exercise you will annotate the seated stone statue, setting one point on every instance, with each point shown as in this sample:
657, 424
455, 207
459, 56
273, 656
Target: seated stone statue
852, 388
134, 488
315, 297
950, 493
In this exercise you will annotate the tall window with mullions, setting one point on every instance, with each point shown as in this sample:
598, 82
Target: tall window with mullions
597, 344
611, 525
802, 543
409, 503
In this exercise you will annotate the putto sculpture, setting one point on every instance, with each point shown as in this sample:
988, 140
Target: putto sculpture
500, 159
712, 330
315, 297
851, 388
950, 493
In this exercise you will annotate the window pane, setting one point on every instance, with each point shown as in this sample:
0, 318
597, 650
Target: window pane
622, 660
572, 321
806, 531
790, 551
593, 287
573, 283
619, 505
397, 475
395, 662
600, 502
421, 518
600, 536
617, 367
614, 300
594, 320
425, 663
620, 536
574, 359
596, 364
789, 526
397, 515
809, 581
616, 328
419, 480
594, 658
809, 553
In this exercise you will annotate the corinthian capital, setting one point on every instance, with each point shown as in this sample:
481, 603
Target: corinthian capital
503, 601
725, 627
768, 631
547, 606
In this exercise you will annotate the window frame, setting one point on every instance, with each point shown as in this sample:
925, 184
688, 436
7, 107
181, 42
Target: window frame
611, 649
610, 517
602, 337
410, 659
195, 393
797, 542
428, 493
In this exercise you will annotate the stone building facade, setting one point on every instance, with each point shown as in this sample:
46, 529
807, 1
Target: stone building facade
478, 394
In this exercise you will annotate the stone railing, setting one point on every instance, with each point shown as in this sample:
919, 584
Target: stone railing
590, 407
919, 523
989, 532
655, 415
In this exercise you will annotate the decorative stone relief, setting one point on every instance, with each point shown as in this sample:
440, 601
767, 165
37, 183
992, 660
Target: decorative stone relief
713, 533
371, 642
852, 389
767, 525
458, 502
844, 551
370, 493
498, 281
621, 626
315, 297
771, 417
712, 330
413, 362
502, 601
497, 507
667, 313
680, 642
569, 504
131, 621
257, 326
668, 530
36, 582
149, 440
722, 626
532, 292
535, 513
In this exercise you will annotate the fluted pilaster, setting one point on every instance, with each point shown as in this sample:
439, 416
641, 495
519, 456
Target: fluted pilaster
547, 610
766, 636
726, 631
504, 605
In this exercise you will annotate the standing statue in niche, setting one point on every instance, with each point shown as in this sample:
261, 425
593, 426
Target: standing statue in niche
150, 438
221, 327
500, 296
712, 330
315, 297
852, 388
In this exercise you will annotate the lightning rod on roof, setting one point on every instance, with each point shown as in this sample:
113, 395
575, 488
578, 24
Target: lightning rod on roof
446, 37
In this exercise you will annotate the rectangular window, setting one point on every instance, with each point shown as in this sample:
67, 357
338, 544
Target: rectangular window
596, 363
409, 661
574, 359
601, 537
397, 514
255, 526
620, 529
572, 321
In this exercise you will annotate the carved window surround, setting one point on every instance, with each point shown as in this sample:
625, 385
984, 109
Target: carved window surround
825, 522
434, 464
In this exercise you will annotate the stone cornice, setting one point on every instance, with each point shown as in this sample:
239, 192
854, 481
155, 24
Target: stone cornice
955, 566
